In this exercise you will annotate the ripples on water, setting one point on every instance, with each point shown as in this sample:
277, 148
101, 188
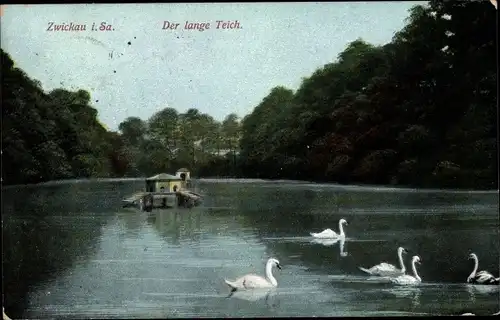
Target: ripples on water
87, 257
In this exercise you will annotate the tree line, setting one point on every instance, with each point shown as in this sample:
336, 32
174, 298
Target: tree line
170, 140
418, 111
56, 135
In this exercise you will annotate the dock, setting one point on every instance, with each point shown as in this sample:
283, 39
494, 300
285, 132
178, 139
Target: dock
182, 198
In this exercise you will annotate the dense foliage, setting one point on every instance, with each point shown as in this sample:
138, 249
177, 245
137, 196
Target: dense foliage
56, 135
48, 136
170, 140
418, 111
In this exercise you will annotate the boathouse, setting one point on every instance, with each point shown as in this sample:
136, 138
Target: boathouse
167, 181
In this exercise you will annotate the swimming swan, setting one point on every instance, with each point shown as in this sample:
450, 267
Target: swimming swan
471, 314
329, 233
481, 277
252, 281
325, 242
384, 269
407, 279
4, 316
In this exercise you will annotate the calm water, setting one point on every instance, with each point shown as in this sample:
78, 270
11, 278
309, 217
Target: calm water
70, 250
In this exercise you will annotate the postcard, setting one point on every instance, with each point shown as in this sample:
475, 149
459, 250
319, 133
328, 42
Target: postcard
186, 160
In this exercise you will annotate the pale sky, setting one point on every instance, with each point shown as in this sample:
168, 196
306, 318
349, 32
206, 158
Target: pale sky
216, 71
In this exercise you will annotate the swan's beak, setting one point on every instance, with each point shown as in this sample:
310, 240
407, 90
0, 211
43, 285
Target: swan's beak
419, 262
278, 266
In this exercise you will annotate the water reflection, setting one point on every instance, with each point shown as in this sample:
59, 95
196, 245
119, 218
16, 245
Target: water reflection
104, 260
40, 249
133, 221
410, 292
253, 295
331, 242
166, 224
379, 279
484, 290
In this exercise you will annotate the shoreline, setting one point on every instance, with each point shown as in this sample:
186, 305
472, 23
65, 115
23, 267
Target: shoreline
312, 184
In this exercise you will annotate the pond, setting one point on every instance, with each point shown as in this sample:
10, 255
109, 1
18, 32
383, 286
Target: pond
70, 250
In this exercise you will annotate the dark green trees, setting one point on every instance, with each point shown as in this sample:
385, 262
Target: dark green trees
419, 111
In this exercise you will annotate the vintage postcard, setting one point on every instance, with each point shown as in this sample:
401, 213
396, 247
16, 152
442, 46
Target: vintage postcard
187, 160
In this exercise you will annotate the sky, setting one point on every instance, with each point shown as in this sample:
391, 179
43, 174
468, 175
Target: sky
138, 68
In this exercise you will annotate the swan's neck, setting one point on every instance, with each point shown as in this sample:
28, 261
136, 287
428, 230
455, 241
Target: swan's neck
401, 263
341, 229
476, 265
414, 268
269, 274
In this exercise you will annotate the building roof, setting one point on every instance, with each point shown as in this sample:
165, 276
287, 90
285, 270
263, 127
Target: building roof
183, 170
163, 176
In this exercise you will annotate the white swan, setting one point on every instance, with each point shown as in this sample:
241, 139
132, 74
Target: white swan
329, 233
388, 270
4, 316
471, 314
481, 277
407, 279
252, 281
325, 242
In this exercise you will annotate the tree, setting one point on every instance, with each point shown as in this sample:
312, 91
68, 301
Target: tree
133, 130
418, 111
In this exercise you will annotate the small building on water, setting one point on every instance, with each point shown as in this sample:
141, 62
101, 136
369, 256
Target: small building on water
164, 182
165, 190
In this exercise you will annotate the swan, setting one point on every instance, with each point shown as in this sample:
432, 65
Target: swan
329, 233
384, 269
252, 281
5, 317
481, 277
471, 314
325, 242
407, 279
